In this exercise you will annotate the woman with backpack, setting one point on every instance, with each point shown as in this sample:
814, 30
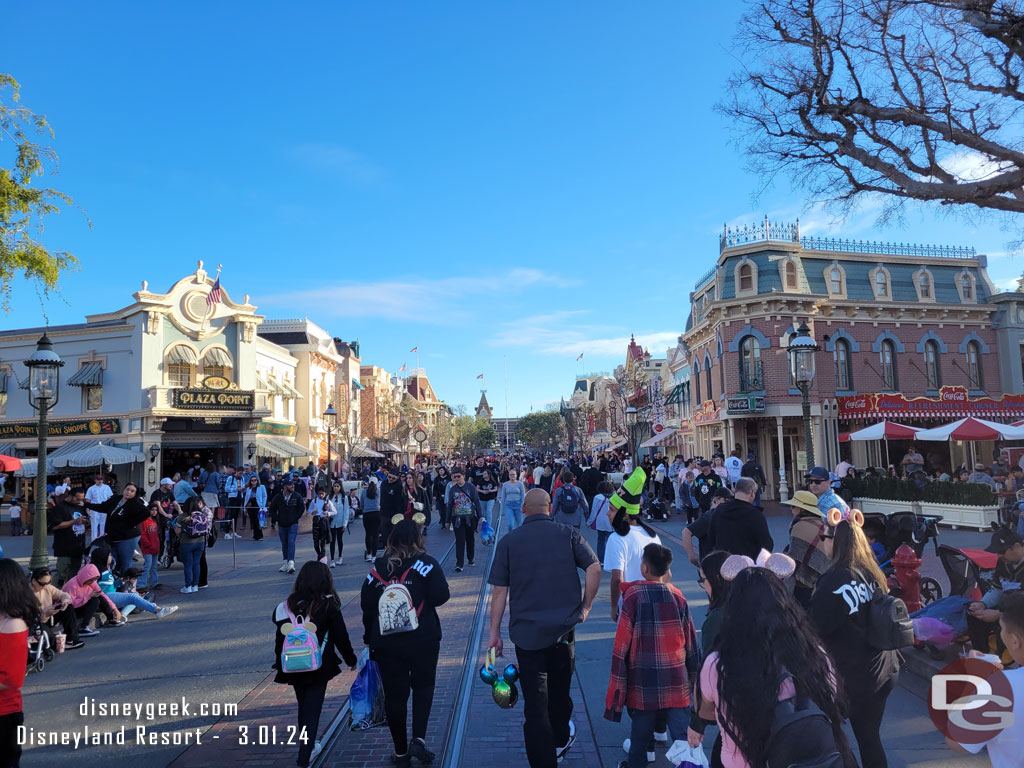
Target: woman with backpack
399, 602
840, 610
369, 502
733, 687
192, 527
569, 505
311, 621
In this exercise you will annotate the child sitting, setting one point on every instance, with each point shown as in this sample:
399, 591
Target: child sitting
873, 532
128, 597
655, 656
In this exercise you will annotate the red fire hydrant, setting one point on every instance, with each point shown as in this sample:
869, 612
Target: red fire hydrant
908, 577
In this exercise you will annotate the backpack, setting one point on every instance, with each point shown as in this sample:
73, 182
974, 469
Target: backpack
801, 737
572, 500
197, 526
300, 651
395, 611
889, 625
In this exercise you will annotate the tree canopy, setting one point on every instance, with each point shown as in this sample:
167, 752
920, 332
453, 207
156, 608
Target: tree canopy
24, 206
537, 428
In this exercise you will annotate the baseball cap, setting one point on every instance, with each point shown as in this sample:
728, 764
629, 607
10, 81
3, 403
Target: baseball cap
979, 465
818, 473
804, 500
1002, 540
705, 463
289, 480
166, 481
750, 455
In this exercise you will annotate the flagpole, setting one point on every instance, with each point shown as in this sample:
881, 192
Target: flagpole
507, 446
210, 309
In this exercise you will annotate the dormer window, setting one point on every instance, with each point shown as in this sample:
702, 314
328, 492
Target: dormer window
967, 287
924, 284
881, 286
791, 278
746, 277
835, 280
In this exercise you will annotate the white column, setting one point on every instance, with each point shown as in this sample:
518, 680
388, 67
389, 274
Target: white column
783, 486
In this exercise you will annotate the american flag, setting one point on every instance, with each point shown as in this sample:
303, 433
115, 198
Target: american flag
402, 368
414, 349
480, 376
580, 357
213, 297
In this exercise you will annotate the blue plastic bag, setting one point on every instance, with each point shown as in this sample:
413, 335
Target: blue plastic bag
950, 610
366, 696
486, 533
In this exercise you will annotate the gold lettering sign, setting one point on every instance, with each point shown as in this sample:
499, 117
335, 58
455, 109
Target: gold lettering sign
216, 382
207, 400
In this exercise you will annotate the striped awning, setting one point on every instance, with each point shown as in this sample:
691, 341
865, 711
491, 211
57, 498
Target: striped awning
89, 375
611, 444
72, 446
216, 356
274, 387
279, 446
182, 355
7, 449
359, 452
290, 391
659, 439
261, 383
22, 383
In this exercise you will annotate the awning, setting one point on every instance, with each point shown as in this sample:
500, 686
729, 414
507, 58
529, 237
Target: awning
4, 376
388, 447
22, 383
97, 455
612, 444
274, 387
279, 446
89, 375
659, 439
290, 391
357, 385
216, 356
676, 395
261, 383
71, 446
359, 452
182, 355
7, 449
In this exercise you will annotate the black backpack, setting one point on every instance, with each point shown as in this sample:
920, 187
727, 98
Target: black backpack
889, 624
572, 501
801, 737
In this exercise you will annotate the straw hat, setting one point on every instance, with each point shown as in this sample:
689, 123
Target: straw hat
806, 501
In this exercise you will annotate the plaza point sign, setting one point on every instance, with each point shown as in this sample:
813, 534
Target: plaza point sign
213, 400
952, 402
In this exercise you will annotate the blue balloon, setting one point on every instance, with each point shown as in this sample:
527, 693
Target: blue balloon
510, 674
488, 674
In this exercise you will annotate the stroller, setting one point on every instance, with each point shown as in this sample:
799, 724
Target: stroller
900, 528
40, 648
170, 548
970, 571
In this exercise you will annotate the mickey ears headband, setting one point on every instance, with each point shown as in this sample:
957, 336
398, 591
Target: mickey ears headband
853, 516
419, 518
778, 563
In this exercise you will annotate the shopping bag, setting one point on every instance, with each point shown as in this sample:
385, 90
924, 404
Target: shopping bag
366, 696
934, 631
682, 755
263, 518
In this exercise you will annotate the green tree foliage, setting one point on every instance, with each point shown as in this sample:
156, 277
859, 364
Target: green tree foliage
484, 434
537, 428
22, 205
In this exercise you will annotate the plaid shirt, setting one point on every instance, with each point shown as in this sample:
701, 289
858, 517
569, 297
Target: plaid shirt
656, 655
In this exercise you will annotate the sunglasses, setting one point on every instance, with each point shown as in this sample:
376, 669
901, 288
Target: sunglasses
702, 579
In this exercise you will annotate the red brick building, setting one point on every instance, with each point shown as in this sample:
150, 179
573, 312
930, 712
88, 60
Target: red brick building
905, 333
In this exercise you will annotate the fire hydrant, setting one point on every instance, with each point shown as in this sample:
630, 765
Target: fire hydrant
908, 577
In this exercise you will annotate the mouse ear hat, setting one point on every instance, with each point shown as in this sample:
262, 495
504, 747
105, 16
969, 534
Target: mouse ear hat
628, 495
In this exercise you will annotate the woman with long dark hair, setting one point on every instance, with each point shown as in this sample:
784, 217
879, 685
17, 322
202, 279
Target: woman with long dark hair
123, 515
405, 648
419, 500
369, 502
254, 501
839, 608
19, 610
339, 523
441, 481
313, 600
766, 652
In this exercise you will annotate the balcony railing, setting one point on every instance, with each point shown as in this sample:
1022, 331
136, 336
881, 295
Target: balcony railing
751, 378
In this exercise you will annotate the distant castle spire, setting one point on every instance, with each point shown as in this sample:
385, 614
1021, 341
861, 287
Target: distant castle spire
483, 410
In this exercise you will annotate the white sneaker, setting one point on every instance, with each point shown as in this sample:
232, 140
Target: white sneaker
291, 566
662, 737
332, 563
284, 567
186, 590
650, 755
561, 752
317, 747
167, 610
193, 589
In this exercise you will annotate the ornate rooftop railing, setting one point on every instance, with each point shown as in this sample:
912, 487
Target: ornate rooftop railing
704, 279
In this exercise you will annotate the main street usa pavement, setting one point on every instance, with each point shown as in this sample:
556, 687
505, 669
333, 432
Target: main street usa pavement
214, 654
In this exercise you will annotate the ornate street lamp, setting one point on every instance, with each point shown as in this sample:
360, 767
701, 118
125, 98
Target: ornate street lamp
251, 450
43, 392
329, 416
154, 451
801, 355
632, 416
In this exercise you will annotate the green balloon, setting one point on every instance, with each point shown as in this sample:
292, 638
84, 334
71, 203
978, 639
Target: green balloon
505, 695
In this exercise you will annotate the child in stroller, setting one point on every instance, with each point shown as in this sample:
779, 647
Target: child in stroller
887, 533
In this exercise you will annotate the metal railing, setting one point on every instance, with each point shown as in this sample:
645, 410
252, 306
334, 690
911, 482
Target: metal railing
751, 378
704, 279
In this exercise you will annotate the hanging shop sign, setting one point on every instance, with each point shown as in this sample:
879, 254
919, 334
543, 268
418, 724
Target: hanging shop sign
707, 413
747, 404
216, 382
272, 428
61, 428
952, 402
212, 400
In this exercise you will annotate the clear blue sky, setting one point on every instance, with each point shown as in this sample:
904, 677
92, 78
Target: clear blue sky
526, 179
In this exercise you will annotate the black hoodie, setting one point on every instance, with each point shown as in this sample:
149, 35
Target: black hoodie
738, 527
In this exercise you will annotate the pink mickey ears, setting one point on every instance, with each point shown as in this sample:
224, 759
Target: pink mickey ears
854, 516
778, 563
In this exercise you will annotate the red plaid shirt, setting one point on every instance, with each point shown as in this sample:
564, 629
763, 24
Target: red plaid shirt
656, 653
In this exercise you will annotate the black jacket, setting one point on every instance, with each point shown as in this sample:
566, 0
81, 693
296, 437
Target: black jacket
393, 499
122, 518
287, 511
440, 483
428, 588
738, 527
328, 621
589, 480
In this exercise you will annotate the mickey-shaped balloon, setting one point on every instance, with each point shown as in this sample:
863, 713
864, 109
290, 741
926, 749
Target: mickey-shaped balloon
503, 685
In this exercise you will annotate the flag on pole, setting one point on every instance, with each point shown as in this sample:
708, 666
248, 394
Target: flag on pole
213, 297
415, 349
480, 376
402, 368
580, 357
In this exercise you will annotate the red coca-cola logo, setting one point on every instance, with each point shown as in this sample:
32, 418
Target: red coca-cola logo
859, 403
957, 396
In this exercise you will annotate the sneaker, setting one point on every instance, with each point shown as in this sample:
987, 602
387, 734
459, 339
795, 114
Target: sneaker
662, 737
323, 560
419, 750
563, 751
341, 561
284, 567
186, 590
166, 611
121, 623
458, 569
331, 564
71, 646
291, 566
317, 747
193, 589
88, 632
472, 562
158, 585
201, 586
625, 748
401, 761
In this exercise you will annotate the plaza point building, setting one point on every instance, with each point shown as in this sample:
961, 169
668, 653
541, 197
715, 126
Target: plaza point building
906, 333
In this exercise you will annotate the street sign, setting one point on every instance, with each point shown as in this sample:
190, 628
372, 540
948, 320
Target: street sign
658, 428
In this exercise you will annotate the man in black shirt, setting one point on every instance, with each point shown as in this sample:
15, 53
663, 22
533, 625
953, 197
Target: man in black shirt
475, 471
66, 521
701, 528
705, 485
755, 472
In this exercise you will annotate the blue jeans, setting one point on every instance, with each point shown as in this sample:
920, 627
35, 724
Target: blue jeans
287, 534
602, 542
124, 599
486, 507
515, 517
642, 731
122, 552
149, 577
191, 552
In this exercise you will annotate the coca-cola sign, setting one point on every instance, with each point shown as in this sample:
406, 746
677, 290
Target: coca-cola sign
951, 402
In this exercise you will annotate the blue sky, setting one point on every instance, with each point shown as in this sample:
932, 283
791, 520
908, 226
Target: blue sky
526, 179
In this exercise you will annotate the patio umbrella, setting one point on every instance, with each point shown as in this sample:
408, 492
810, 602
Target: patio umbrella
96, 455
971, 429
9, 463
884, 430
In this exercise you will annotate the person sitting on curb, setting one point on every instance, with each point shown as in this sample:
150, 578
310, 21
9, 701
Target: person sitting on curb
127, 597
56, 605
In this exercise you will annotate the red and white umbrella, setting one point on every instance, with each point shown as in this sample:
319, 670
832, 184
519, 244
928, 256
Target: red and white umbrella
9, 463
885, 430
970, 429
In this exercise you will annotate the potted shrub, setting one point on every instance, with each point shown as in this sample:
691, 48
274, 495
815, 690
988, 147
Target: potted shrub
884, 494
969, 504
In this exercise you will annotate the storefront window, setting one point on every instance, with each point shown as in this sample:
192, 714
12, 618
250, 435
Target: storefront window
973, 366
888, 361
93, 398
179, 375
931, 364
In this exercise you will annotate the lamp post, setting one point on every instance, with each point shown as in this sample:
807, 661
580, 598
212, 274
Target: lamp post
329, 416
251, 449
801, 354
631, 418
43, 392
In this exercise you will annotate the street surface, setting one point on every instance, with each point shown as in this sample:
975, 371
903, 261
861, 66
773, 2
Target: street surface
216, 651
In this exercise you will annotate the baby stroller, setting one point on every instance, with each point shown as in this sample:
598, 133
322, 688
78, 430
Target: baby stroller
970, 571
897, 529
170, 548
40, 649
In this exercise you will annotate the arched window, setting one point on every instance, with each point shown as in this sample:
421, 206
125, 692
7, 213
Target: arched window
750, 365
967, 287
707, 379
888, 361
974, 380
924, 285
931, 364
844, 373
791, 278
217, 362
835, 280
746, 275
696, 387
180, 365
